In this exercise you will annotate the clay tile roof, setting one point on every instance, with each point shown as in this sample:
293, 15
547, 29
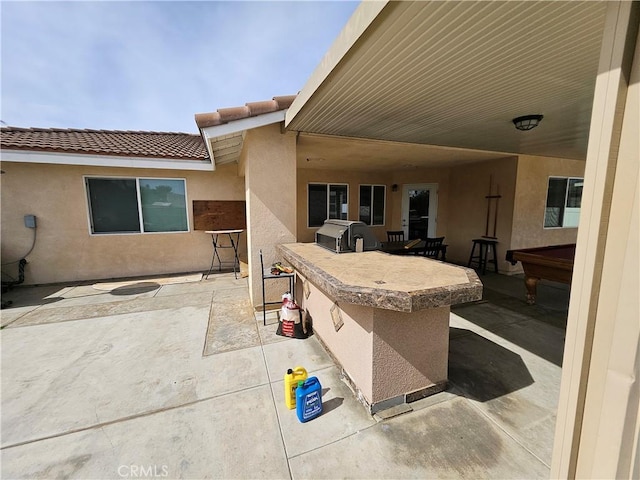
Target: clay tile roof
251, 109
180, 146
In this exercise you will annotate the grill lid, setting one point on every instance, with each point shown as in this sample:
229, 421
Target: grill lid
331, 228
341, 235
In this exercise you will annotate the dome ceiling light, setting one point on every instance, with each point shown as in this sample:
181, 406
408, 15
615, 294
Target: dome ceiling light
527, 122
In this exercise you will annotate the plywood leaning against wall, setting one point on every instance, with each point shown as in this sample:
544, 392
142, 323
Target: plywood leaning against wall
219, 215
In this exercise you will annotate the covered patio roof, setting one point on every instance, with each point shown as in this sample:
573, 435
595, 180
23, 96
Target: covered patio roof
454, 74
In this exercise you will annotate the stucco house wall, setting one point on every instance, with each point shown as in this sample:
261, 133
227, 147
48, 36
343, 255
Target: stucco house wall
393, 207
65, 249
521, 181
268, 163
352, 178
276, 195
530, 199
469, 185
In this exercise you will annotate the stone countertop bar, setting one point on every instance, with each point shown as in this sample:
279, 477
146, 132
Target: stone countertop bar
404, 283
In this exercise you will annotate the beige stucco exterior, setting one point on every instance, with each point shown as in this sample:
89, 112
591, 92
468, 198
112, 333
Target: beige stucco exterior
528, 211
353, 179
384, 352
468, 212
276, 194
268, 163
598, 414
65, 250
521, 182
353, 343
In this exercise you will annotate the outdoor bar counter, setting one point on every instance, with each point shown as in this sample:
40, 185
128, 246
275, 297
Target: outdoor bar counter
384, 318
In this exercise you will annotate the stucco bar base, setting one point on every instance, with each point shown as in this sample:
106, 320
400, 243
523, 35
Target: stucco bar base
394, 339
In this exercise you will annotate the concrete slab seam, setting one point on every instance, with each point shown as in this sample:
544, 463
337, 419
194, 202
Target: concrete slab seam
100, 425
331, 443
83, 319
14, 320
275, 408
204, 341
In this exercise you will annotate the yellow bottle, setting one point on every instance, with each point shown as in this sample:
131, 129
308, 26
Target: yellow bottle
291, 379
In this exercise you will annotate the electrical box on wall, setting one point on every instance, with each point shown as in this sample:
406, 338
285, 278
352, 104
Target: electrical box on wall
30, 221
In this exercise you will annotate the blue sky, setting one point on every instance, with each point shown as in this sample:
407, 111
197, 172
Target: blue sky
153, 65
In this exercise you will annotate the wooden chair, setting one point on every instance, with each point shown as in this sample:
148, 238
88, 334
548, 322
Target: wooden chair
432, 247
395, 236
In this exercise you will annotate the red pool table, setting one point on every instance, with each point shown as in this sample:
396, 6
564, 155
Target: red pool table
554, 263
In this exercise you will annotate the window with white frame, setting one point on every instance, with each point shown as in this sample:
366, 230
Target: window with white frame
372, 204
564, 196
136, 205
326, 200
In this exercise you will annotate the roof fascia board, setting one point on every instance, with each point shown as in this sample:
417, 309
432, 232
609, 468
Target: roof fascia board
237, 126
207, 145
243, 124
359, 22
22, 156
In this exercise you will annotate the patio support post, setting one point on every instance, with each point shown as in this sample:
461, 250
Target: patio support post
598, 411
269, 163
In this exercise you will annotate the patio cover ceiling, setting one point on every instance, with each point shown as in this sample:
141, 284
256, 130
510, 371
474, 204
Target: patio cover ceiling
455, 74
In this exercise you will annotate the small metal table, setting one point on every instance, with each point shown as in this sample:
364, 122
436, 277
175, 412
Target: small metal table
234, 239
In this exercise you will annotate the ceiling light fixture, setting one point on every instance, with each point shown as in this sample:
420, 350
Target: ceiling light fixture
527, 122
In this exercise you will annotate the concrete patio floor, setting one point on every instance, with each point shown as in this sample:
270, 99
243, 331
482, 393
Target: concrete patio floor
155, 380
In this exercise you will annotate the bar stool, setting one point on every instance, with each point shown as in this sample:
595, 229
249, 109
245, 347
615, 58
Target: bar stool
484, 245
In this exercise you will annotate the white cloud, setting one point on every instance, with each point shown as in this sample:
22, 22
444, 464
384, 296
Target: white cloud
153, 65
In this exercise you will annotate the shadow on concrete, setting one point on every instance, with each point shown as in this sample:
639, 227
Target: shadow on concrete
549, 314
509, 292
482, 369
136, 288
331, 404
32, 303
28, 296
539, 338
539, 329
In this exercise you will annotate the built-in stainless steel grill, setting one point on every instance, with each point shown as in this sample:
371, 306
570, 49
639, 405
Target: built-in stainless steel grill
341, 236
